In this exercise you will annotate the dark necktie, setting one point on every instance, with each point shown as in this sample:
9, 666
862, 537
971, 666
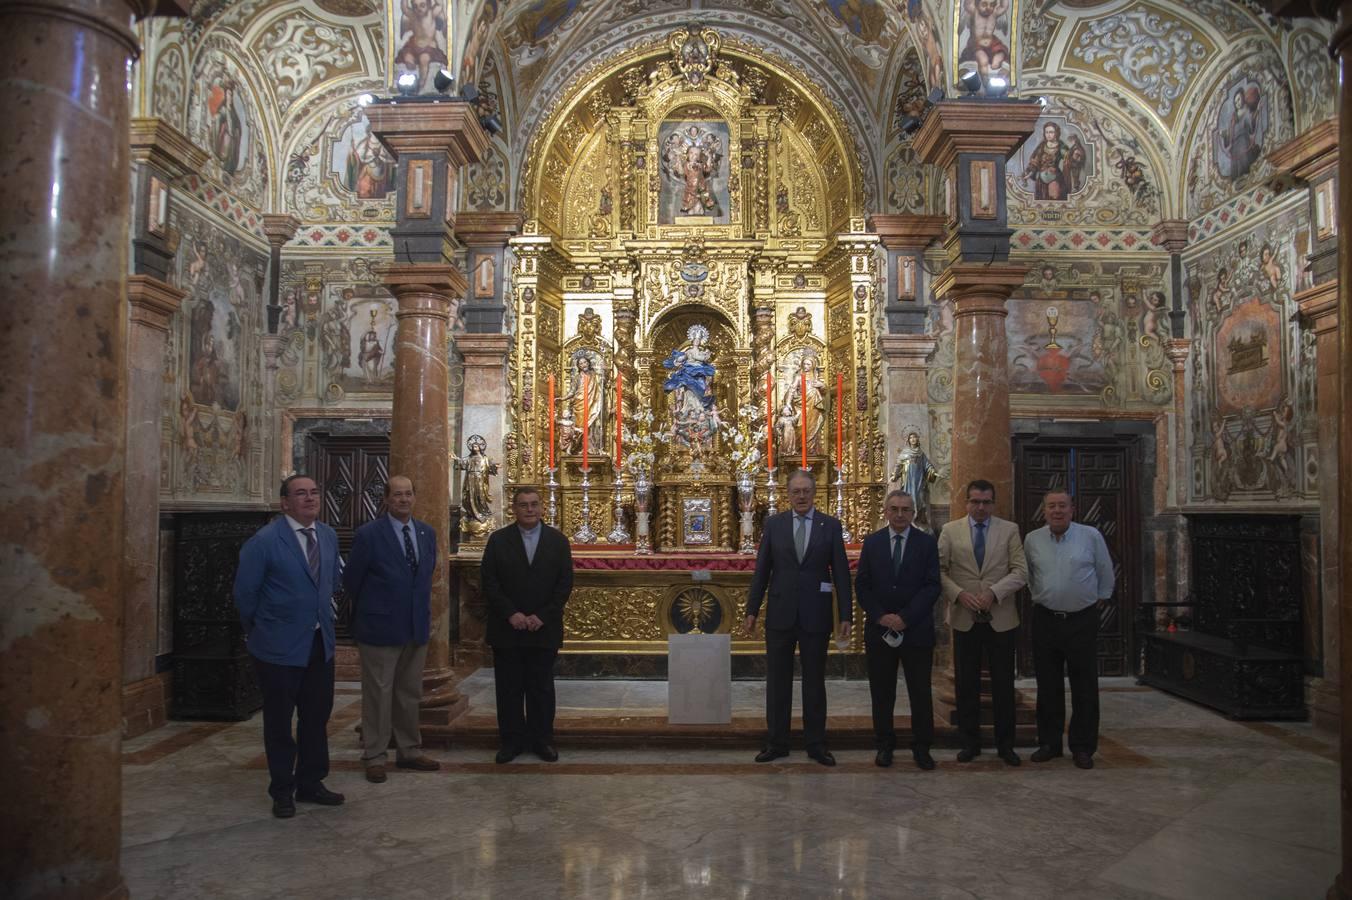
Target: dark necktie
408, 551
800, 536
896, 553
311, 552
979, 544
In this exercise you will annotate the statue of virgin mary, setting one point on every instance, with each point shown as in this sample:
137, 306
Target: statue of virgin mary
690, 394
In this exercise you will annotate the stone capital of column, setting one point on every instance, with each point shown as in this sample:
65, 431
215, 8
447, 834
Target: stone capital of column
907, 232
273, 346
976, 288
1319, 306
1178, 349
1171, 234
1308, 155
906, 351
983, 127
410, 281
157, 143
483, 351
487, 229
280, 228
449, 127
152, 302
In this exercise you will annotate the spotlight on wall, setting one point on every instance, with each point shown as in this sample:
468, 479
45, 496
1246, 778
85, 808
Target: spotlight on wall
1043, 101
469, 93
443, 80
492, 124
997, 86
910, 124
407, 84
366, 100
935, 95
970, 80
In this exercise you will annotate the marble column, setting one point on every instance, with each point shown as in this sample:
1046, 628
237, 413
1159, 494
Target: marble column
64, 252
486, 235
151, 305
905, 238
279, 228
1342, 49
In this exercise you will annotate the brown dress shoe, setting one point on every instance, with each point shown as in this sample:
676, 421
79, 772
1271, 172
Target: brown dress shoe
375, 774
418, 764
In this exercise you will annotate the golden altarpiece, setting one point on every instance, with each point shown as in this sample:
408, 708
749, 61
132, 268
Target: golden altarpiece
695, 232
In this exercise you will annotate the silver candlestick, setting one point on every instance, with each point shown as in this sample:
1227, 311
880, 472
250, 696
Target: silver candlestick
642, 494
770, 492
619, 534
552, 512
840, 505
584, 533
746, 504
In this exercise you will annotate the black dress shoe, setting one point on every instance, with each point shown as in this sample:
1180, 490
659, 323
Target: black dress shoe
770, 753
1083, 760
968, 754
884, 758
821, 755
923, 759
283, 808
506, 755
1044, 753
321, 795
545, 752
1010, 757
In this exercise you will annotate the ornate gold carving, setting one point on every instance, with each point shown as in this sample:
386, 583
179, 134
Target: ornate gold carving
610, 613
694, 53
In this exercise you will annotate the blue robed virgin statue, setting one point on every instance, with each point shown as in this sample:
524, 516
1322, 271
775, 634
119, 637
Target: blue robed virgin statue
689, 389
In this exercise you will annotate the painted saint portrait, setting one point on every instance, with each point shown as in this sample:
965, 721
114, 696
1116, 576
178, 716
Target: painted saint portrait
694, 171
357, 337
227, 125
865, 19
983, 36
477, 44
421, 41
1241, 129
362, 163
1055, 162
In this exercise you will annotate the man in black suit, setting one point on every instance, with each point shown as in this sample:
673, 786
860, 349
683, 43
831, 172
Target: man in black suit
527, 574
802, 555
898, 585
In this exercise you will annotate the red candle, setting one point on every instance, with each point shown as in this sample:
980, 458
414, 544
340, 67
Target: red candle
550, 410
802, 416
840, 417
586, 417
769, 420
619, 416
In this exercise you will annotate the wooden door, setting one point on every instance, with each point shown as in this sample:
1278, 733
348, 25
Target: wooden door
1102, 477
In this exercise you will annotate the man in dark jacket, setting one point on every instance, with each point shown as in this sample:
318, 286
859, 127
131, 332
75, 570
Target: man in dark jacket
389, 581
898, 585
527, 575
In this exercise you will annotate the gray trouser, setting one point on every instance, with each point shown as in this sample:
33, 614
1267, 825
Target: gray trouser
391, 688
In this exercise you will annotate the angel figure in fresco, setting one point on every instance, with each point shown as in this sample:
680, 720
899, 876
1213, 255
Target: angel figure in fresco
424, 21
1268, 265
984, 44
689, 389
692, 158
476, 504
1155, 313
914, 474
1222, 294
586, 381
1278, 455
1220, 458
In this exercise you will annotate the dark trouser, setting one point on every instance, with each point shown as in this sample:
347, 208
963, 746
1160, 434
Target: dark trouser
882, 687
307, 691
999, 649
523, 679
1067, 644
779, 645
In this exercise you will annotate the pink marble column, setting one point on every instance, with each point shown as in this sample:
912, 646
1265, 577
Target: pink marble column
419, 445
1342, 48
981, 440
151, 305
64, 250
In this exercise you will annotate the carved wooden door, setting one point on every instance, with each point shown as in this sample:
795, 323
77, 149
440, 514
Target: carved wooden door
1101, 476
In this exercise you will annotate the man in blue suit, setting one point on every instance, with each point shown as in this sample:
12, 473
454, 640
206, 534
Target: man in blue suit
284, 592
802, 556
898, 585
389, 581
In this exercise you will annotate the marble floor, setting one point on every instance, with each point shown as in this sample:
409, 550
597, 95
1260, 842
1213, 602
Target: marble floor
1181, 804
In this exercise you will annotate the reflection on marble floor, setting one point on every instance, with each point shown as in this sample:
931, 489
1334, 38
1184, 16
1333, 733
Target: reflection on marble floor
1183, 804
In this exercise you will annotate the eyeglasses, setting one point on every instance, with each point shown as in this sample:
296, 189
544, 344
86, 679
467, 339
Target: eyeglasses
971, 502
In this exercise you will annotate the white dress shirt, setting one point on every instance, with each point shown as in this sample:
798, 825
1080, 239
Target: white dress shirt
399, 533
531, 539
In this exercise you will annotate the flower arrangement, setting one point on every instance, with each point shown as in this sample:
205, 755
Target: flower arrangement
640, 443
744, 440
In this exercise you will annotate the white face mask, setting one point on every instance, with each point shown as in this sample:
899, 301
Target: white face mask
893, 638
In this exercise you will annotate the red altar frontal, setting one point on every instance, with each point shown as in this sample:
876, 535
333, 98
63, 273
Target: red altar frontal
627, 605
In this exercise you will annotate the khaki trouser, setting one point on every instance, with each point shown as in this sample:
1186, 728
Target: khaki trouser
391, 689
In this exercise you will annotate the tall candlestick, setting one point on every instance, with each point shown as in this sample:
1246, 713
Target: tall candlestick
802, 416
619, 417
769, 420
550, 411
586, 417
840, 418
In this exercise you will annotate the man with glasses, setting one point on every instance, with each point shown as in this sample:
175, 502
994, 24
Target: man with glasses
898, 585
982, 567
802, 556
284, 591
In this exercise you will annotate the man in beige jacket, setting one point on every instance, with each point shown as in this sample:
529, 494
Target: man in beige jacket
982, 567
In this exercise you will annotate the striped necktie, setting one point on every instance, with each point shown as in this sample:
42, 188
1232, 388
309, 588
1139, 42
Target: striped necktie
311, 552
408, 551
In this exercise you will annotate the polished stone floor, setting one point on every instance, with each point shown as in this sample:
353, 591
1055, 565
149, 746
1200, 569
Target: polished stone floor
1182, 804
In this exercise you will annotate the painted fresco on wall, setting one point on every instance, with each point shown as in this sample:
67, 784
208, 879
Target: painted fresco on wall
1060, 346
356, 335
866, 30
983, 39
694, 171
1246, 117
1252, 411
535, 30
362, 163
476, 46
223, 120
421, 38
338, 171
1241, 129
1055, 162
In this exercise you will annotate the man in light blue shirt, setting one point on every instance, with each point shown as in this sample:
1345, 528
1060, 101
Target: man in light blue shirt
1070, 575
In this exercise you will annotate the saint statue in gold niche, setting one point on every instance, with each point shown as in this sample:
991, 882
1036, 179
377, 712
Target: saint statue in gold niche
690, 392
814, 410
476, 505
584, 403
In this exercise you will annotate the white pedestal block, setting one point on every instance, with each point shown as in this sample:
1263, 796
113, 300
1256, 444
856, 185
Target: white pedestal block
699, 679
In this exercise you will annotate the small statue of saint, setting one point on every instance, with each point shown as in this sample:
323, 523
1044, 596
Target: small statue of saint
914, 474
476, 505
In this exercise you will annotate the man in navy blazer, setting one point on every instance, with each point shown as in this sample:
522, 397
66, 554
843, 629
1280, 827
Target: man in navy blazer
284, 591
802, 556
898, 585
389, 581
